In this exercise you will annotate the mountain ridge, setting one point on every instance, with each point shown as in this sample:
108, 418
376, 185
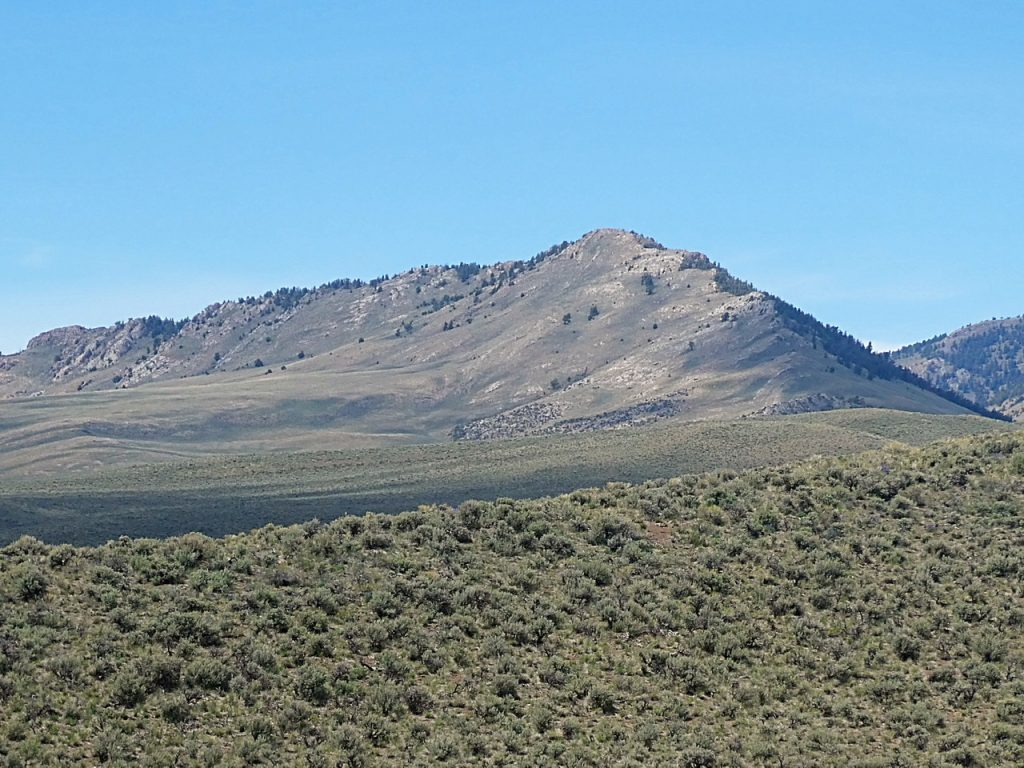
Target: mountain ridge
983, 362
129, 352
611, 330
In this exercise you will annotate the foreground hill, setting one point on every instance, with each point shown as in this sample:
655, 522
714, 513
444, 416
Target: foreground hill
611, 330
218, 495
983, 362
861, 611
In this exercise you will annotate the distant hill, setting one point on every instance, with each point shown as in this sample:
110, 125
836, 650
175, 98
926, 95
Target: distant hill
983, 362
220, 495
610, 330
863, 611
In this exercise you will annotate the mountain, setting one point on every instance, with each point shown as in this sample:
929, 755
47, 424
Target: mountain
860, 611
983, 362
610, 330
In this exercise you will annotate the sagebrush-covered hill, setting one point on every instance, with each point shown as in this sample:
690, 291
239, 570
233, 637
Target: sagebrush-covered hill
861, 611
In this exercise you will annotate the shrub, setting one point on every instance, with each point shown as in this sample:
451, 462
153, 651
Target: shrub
61, 556
66, 668
164, 671
209, 674
313, 685
444, 748
603, 700
697, 757
260, 727
377, 540
542, 718
130, 687
175, 709
385, 699
990, 648
30, 583
418, 699
506, 686
689, 673
907, 647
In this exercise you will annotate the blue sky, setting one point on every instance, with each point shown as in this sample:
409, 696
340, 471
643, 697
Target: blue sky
862, 160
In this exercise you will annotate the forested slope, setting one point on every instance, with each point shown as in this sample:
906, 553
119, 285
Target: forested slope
983, 362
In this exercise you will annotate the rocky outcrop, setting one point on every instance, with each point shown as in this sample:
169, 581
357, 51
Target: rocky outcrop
542, 419
1014, 408
517, 422
632, 416
70, 336
811, 404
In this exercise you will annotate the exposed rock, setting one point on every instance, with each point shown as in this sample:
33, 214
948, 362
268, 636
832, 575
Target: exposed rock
60, 337
542, 419
517, 422
632, 416
811, 404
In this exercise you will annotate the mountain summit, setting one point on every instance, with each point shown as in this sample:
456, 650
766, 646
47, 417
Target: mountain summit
612, 329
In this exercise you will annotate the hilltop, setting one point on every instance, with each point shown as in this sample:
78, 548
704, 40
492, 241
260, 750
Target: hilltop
861, 611
608, 331
983, 362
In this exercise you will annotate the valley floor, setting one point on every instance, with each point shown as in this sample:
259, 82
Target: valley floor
225, 495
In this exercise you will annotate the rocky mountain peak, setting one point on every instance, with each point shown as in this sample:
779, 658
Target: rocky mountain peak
70, 334
608, 330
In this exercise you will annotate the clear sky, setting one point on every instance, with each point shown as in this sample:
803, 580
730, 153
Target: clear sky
863, 160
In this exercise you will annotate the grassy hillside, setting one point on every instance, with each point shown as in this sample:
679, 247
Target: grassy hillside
861, 611
226, 495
